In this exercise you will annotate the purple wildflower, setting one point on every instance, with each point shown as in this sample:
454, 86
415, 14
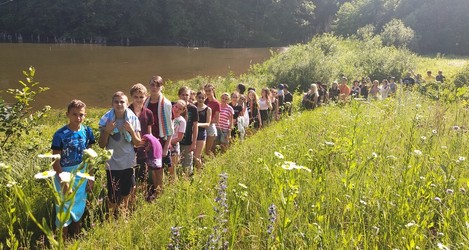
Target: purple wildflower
174, 240
272, 219
216, 239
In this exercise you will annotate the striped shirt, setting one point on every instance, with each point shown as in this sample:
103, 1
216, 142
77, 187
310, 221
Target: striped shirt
225, 113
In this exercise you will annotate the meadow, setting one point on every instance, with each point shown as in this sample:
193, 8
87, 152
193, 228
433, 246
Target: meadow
389, 174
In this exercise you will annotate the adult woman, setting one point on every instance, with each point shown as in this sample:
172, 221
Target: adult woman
385, 89
310, 99
205, 116
334, 92
355, 91
374, 90
212, 132
238, 112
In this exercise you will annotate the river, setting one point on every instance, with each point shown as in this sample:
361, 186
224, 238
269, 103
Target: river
93, 73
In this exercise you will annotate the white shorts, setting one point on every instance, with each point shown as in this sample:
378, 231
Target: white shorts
212, 130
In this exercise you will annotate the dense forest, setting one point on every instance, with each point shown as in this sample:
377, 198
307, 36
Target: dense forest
425, 26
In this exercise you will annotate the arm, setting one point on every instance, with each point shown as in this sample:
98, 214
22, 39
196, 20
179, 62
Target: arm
105, 132
209, 119
195, 133
166, 145
135, 134
259, 118
177, 137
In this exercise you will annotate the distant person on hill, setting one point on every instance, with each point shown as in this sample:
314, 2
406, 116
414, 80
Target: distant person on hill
189, 142
287, 99
385, 89
334, 92
375, 90
120, 131
364, 89
355, 90
429, 77
322, 93
392, 86
212, 131
275, 111
408, 81
281, 99
344, 89
310, 98
162, 129
241, 88
440, 77
70, 141
255, 119
205, 116
265, 104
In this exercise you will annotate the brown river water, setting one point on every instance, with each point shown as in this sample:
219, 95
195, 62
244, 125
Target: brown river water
93, 73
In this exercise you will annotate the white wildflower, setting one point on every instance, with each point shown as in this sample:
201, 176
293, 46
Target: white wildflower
363, 202
279, 155
432, 185
329, 143
417, 152
374, 155
441, 246
462, 190
449, 191
11, 184
456, 128
462, 158
423, 138
438, 199
65, 177
49, 155
422, 178
434, 132
45, 174
444, 147
392, 157
90, 152
418, 106
242, 185
86, 176
411, 224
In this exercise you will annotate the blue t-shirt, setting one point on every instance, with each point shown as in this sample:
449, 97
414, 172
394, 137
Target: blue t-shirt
72, 143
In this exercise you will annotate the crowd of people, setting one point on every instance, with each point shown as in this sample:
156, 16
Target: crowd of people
152, 137
319, 93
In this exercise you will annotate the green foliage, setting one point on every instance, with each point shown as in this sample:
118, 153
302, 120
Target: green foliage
17, 119
397, 34
327, 57
461, 79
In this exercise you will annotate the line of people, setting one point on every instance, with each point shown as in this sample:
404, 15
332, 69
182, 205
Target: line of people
151, 135
319, 93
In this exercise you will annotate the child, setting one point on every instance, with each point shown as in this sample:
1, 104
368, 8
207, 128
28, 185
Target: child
225, 123
120, 131
70, 141
179, 126
154, 156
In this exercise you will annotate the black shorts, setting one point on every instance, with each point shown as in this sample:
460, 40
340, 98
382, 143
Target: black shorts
119, 183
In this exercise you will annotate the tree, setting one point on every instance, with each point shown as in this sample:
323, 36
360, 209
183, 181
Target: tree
397, 34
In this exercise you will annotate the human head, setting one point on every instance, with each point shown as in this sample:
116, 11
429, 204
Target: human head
209, 90
225, 98
440, 72
265, 93
285, 87
234, 97
281, 86
156, 84
375, 82
429, 73
119, 102
76, 112
138, 92
335, 84
356, 82
392, 79
75, 104
200, 97
252, 95
179, 107
184, 93
241, 88
343, 80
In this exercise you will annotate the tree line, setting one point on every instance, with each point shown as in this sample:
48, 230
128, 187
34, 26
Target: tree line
426, 26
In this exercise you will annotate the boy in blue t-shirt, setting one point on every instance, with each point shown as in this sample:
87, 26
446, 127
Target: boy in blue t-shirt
70, 141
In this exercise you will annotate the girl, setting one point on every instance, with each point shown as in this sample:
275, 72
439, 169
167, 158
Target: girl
265, 104
310, 99
179, 126
154, 156
205, 116
225, 122
255, 119
238, 112
212, 102
374, 91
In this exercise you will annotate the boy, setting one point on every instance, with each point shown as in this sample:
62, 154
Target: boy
120, 131
70, 141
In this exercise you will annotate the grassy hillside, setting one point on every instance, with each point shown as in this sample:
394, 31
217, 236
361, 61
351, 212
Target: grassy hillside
389, 174
386, 174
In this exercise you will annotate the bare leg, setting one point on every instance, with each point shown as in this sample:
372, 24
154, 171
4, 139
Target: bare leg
157, 179
198, 154
209, 146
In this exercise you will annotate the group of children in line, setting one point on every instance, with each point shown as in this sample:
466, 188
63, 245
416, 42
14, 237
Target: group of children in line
153, 134
319, 94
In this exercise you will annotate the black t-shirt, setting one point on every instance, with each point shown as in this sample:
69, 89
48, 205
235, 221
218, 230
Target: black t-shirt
408, 81
237, 110
192, 116
288, 97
